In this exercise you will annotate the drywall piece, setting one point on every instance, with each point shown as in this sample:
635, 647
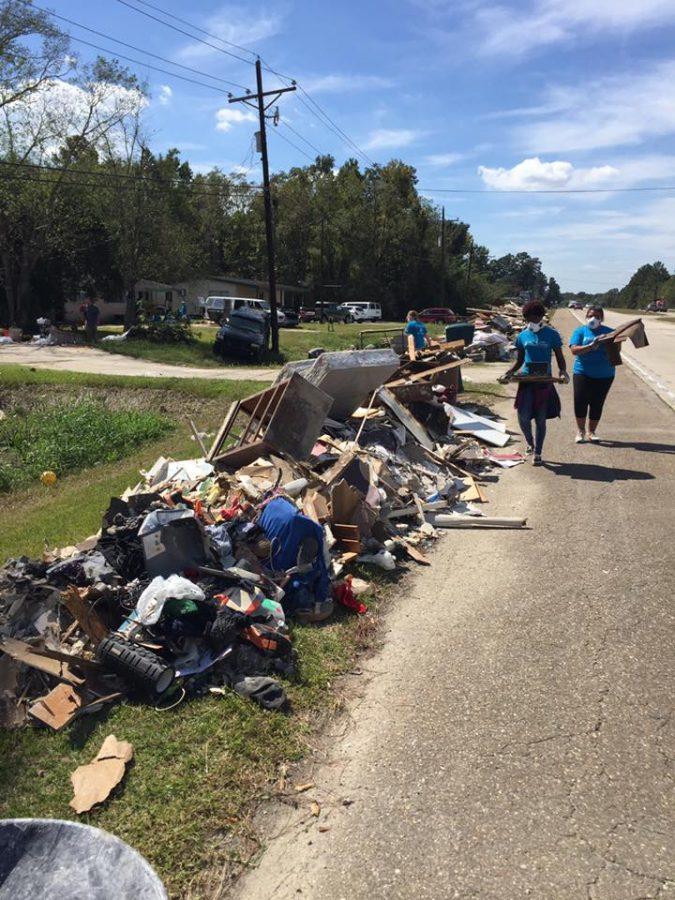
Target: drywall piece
484, 429
457, 521
415, 428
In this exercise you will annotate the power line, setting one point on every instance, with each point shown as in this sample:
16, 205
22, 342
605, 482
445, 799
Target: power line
186, 33
210, 34
337, 127
295, 146
302, 138
132, 47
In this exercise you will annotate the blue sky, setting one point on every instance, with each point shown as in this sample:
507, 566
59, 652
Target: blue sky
476, 94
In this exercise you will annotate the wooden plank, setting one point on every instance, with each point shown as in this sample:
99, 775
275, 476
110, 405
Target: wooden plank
58, 708
223, 431
23, 652
89, 620
412, 353
415, 428
422, 376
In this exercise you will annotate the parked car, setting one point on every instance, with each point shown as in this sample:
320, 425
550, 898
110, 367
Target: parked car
217, 308
245, 332
574, 304
437, 314
358, 311
291, 318
657, 306
323, 311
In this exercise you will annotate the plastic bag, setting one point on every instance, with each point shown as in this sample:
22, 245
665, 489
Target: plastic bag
175, 587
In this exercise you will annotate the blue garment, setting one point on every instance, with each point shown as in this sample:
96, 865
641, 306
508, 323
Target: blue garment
595, 363
538, 347
419, 332
285, 527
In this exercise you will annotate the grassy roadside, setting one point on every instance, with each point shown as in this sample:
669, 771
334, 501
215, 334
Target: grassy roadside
198, 770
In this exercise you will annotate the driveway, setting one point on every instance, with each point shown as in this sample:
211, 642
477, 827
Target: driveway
86, 359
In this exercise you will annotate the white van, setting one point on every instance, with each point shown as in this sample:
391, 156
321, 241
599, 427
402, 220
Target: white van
217, 308
363, 312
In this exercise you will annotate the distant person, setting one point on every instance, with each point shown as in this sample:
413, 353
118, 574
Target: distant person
417, 329
536, 345
593, 373
182, 312
91, 316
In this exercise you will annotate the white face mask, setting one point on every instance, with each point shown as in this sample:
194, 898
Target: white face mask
535, 326
593, 322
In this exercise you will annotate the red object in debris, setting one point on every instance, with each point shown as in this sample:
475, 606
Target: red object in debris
230, 512
343, 593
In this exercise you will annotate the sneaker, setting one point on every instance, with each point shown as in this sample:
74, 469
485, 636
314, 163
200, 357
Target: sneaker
580, 438
592, 437
529, 449
536, 459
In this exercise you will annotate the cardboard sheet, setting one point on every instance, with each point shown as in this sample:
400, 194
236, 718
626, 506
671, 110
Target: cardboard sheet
94, 782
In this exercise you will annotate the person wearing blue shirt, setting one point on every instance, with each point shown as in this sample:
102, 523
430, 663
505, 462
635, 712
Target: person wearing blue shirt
593, 373
536, 345
417, 329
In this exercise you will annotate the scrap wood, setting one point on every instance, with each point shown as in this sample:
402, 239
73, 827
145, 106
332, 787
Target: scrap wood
91, 624
345, 503
58, 708
94, 782
428, 373
23, 652
458, 521
348, 537
70, 658
404, 416
414, 553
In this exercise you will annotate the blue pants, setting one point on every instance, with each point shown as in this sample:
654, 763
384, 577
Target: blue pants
526, 413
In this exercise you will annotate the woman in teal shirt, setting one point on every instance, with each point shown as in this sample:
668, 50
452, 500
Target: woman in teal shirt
593, 372
417, 329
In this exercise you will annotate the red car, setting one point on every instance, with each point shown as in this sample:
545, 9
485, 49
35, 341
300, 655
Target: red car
437, 314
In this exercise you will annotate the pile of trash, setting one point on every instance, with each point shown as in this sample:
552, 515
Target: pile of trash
193, 580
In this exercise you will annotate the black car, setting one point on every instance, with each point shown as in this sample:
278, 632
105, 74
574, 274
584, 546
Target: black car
291, 318
325, 312
245, 333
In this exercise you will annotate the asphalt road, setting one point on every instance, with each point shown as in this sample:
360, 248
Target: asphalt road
514, 736
656, 363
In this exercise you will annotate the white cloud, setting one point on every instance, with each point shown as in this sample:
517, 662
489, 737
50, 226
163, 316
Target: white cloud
443, 159
391, 138
333, 84
613, 111
533, 174
237, 25
165, 95
227, 117
517, 30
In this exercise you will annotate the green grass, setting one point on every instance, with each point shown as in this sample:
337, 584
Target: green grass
294, 344
67, 437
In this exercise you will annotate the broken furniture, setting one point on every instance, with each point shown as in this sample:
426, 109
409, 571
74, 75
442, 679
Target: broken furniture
633, 330
287, 417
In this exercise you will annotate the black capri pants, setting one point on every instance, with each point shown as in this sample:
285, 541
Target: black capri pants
590, 395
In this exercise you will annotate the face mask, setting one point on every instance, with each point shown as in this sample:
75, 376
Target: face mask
593, 322
535, 326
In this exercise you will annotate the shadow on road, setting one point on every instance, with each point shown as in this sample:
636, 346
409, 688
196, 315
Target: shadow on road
640, 445
592, 472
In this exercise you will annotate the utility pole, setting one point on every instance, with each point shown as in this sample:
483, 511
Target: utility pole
443, 256
262, 107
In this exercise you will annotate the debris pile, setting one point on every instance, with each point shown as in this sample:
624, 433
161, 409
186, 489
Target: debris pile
196, 572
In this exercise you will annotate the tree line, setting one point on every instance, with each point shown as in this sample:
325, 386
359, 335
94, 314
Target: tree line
86, 206
650, 282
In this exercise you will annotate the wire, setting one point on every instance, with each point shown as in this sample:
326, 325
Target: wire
186, 33
98, 174
295, 146
337, 127
210, 34
302, 138
132, 47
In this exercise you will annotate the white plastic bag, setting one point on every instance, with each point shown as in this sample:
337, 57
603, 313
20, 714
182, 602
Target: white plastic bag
175, 587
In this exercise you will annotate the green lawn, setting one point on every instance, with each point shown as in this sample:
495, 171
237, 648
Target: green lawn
294, 344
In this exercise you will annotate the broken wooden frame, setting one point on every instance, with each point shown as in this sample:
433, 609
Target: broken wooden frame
287, 417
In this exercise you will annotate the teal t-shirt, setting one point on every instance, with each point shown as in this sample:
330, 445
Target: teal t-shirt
538, 347
595, 363
419, 333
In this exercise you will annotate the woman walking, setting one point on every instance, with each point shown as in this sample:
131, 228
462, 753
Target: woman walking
593, 373
536, 345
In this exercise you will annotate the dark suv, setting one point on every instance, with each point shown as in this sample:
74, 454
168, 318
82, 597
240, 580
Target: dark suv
323, 311
245, 333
